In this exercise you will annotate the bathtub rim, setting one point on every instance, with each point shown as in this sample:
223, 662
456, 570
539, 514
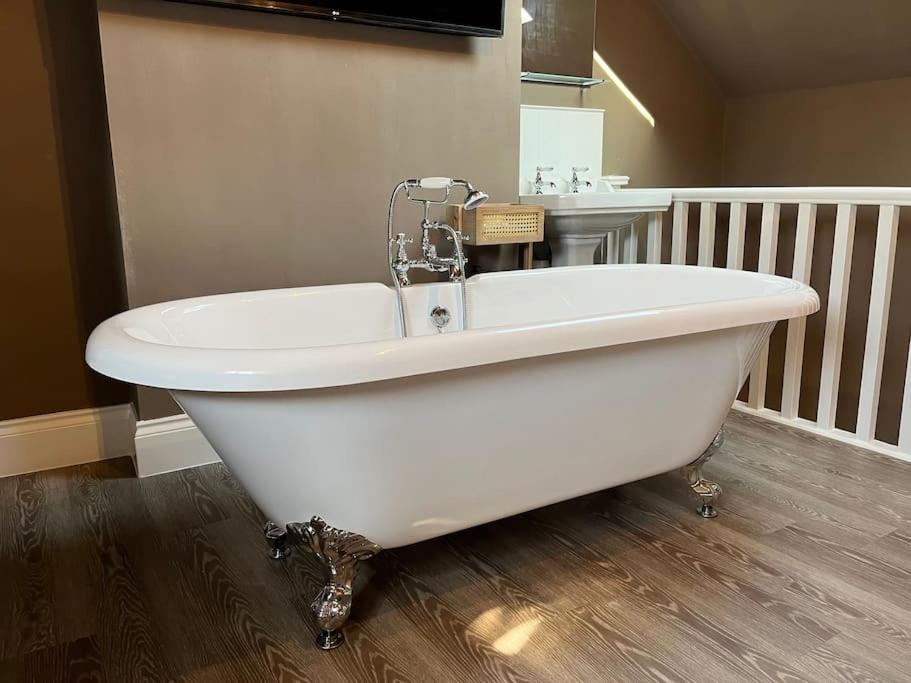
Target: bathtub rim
114, 352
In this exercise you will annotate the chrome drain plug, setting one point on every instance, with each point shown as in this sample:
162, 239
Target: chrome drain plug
440, 317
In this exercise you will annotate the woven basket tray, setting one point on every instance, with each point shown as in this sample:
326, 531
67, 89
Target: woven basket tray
501, 223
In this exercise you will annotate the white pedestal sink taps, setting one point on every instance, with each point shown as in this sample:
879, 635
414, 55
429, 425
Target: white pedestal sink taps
575, 224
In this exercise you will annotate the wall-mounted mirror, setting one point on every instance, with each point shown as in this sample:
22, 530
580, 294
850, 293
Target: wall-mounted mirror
557, 41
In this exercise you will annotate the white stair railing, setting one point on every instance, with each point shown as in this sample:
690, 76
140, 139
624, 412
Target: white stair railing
625, 249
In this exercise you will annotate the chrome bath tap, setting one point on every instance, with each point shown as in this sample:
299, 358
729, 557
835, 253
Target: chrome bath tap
431, 261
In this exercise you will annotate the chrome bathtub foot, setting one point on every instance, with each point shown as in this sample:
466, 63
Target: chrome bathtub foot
339, 552
277, 538
708, 491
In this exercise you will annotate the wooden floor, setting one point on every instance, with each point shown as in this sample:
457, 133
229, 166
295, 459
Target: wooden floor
806, 574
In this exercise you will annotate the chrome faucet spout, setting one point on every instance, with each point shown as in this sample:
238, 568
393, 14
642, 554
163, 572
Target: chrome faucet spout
576, 182
539, 182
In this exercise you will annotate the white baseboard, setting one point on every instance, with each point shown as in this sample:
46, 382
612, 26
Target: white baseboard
834, 434
168, 444
74, 437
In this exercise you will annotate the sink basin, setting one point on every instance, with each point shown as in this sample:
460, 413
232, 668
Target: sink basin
575, 224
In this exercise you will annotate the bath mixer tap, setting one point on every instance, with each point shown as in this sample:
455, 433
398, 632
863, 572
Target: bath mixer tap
578, 182
430, 260
539, 182
399, 262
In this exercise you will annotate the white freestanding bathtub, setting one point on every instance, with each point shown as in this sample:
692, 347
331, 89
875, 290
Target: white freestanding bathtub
569, 380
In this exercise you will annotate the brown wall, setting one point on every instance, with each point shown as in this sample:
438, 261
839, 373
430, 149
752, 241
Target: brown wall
685, 146
761, 46
59, 261
841, 135
254, 150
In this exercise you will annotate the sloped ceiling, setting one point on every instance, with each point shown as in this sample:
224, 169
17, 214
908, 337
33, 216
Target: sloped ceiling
756, 46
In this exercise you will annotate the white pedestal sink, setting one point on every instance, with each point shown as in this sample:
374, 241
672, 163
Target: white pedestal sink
575, 224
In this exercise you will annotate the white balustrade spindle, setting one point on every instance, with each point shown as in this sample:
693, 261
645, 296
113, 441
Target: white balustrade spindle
877, 322
768, 249
797, 328
632, 245
736, 234
653, 248
836, 313
707, 234
678, 236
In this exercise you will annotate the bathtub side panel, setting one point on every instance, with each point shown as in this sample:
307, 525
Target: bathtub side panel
404, 460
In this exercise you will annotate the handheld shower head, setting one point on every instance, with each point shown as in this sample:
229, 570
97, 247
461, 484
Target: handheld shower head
474, 199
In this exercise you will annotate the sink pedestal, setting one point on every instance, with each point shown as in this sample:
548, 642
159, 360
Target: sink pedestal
573, 250
575, 224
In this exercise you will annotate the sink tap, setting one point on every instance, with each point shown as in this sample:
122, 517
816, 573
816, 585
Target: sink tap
539, 182
578, 182
431, 261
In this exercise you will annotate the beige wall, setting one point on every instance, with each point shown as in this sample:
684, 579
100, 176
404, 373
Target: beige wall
841, 135
59, 259
685, 146
257, 150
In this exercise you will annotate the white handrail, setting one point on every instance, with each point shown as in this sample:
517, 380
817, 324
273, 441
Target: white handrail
859, 196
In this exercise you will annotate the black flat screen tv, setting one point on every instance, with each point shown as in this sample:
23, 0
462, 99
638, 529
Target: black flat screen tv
469, 17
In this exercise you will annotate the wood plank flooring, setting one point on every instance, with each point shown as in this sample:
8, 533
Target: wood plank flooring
805, 575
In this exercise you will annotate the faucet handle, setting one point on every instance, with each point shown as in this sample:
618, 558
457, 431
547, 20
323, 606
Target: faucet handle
545, 169
400, 241
462, 237
580, 169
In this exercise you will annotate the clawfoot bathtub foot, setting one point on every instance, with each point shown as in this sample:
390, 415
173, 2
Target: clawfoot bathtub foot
339, 552
277, 538
708, 491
